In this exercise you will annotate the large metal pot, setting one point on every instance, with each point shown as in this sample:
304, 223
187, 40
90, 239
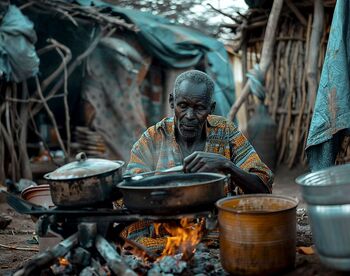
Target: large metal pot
257, 234
326, 193
172, 194
85, 182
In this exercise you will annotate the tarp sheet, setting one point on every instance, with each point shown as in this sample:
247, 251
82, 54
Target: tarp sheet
177, 46
332, 107
18, 59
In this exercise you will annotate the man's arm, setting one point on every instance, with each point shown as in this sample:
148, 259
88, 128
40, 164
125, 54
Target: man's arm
141, 157
247, 171
213, 162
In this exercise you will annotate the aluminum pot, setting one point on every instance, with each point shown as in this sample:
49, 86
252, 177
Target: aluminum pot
174, 193
85, 182
257, 234
326, 193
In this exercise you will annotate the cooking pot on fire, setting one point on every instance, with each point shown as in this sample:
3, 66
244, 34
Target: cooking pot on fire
173, 193
85, 182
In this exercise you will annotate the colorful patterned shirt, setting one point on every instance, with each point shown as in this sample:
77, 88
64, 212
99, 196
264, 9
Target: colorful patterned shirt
157, 148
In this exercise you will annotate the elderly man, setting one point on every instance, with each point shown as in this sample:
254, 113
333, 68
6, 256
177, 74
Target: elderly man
199, 141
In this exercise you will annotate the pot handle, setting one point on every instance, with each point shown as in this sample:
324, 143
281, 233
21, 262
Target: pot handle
81, 156
159, 195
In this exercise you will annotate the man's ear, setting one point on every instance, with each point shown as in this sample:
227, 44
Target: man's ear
212, 107
171, 100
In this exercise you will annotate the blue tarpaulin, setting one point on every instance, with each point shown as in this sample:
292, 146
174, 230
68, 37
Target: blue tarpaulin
331, 116
177, 46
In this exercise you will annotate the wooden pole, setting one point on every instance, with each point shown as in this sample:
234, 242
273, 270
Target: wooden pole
266, 55
314, 51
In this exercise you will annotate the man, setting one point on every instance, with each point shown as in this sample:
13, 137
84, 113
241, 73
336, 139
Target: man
201, 142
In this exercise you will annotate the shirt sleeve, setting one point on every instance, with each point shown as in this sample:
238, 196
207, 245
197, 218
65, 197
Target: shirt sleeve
245, 157
141, 158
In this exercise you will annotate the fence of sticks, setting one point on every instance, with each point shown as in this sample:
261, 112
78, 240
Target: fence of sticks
287, 95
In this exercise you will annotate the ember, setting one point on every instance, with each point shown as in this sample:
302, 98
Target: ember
63, 261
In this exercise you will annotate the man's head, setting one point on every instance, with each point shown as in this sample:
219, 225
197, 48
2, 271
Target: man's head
192, 102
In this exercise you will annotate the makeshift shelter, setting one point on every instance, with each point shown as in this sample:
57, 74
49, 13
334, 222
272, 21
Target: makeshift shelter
288, 98
107, 68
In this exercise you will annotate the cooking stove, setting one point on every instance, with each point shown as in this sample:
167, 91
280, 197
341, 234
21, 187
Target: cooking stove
66, 221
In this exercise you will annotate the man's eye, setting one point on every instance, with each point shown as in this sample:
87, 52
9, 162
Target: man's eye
182, 105
201, 107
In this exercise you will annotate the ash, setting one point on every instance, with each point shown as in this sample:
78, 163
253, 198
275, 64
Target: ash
205, 261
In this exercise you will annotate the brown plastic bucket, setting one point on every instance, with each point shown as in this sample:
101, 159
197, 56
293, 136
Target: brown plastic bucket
257, 233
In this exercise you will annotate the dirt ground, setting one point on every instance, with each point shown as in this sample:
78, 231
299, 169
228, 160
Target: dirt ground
21, 232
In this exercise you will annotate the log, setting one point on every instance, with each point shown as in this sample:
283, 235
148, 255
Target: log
113, 259
266, 55
47, 257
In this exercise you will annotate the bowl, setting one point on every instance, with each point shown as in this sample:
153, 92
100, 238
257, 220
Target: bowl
257, 234
326, 193
39, 195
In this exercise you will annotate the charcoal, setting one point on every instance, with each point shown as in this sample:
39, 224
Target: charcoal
59, 270
80, 256
89, 271
101, 270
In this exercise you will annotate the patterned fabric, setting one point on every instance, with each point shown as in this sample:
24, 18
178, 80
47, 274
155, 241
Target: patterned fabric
157, 148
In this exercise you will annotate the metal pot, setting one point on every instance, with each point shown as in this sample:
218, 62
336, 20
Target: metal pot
257, 234
172, 194
326, 193
85, 182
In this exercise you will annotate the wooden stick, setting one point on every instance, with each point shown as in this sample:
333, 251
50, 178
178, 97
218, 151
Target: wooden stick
47, 257
72, 67
266, 55
297, 13
66, 106
113, 259
316, 35
52, 117
22, 141
8, 135
35, 249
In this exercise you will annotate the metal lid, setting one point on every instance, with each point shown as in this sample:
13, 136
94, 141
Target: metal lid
84, 167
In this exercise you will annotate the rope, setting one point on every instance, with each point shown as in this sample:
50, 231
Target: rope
257, 79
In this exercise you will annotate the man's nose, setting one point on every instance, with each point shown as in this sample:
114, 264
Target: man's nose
190, 113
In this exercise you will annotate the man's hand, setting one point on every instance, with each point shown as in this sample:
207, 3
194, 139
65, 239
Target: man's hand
200, 161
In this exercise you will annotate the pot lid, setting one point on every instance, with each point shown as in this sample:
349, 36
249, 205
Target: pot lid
84, 167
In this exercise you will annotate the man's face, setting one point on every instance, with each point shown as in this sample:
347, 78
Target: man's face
192, 105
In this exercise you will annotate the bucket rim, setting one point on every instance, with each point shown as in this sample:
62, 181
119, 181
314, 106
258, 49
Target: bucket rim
219, 203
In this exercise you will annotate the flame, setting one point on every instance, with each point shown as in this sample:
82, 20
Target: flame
62, 261
183, 239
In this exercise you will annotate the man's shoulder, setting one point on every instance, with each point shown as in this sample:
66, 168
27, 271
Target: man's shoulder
217, 121
165, 126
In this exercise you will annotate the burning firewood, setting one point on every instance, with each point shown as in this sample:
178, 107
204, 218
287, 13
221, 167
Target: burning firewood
113, 259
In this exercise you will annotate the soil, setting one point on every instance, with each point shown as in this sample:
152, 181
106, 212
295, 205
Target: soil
18, 234
21, 232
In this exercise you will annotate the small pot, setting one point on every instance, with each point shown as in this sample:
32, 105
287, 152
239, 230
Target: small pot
85, 182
